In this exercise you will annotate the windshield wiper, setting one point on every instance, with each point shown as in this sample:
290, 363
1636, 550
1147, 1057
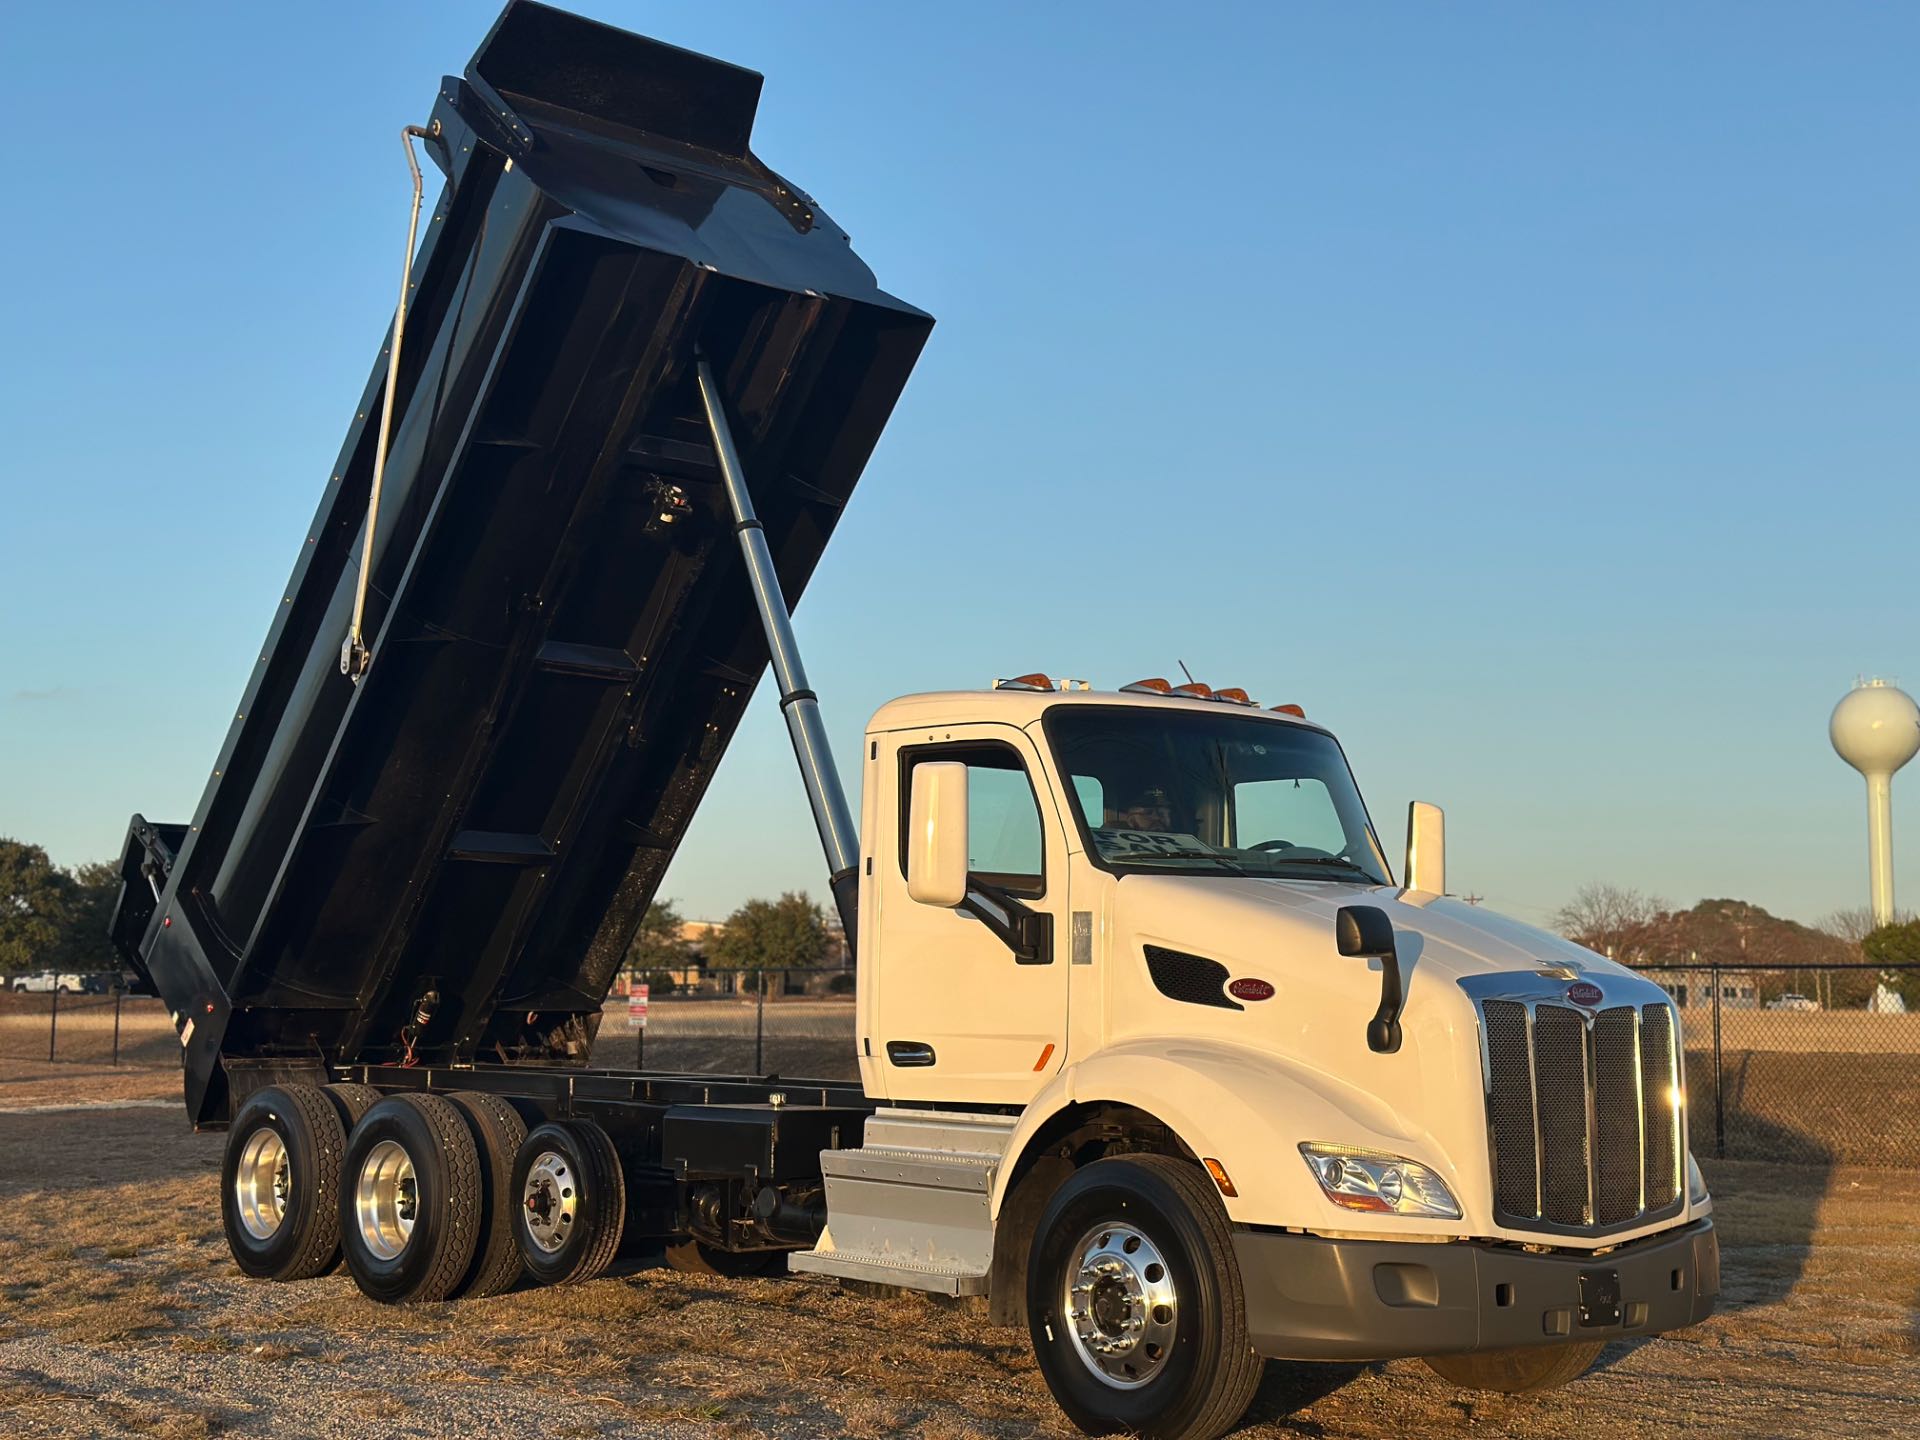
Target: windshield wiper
1333, 860
1144, 856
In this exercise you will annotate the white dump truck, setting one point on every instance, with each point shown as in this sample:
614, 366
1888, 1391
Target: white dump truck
1157, 1052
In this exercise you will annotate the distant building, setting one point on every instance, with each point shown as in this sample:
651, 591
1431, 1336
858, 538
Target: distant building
1693, 989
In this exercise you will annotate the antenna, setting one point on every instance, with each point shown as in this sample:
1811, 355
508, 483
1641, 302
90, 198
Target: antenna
1184, 671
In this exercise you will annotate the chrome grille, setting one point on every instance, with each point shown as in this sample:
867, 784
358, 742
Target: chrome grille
1618, 1170
1560, 1094
1516, 1173
1582, 1126
1662, 1083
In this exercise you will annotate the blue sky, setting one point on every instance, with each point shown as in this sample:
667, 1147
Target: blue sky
1529, 391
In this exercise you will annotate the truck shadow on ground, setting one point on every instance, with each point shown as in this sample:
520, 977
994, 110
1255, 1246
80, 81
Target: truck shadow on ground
1287, 1388
1766, 1238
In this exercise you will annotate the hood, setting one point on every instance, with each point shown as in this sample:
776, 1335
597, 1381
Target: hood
1244, 975
1454, 940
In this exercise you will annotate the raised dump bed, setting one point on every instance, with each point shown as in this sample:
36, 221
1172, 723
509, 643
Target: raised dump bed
446, 859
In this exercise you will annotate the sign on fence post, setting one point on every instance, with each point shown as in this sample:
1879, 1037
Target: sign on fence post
637, 999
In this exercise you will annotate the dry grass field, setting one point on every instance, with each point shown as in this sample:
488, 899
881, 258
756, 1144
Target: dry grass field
121, 1315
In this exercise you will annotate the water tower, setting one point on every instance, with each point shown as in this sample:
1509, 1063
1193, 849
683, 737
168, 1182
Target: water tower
1876, 730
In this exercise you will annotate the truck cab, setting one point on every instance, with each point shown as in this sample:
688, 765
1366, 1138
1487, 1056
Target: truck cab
1097, 927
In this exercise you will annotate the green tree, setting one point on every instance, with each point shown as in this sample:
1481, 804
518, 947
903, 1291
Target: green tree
657, 944
93, 891
36, 907
788, 933
1892, 945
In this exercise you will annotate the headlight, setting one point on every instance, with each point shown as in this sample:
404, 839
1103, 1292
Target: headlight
1383, 1184
1696, 1183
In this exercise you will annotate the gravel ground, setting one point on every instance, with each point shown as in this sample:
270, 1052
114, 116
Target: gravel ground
121, 1315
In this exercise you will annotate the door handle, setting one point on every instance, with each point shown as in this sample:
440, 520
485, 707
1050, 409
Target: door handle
909, 1052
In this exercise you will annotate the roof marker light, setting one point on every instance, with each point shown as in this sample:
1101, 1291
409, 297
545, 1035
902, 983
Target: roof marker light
1147, 687
1035, 681
1197, 690
1293, 710
1235, 696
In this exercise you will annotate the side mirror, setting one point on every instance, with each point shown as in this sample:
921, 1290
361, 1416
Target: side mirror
1426, 870
1365, 931
937, 834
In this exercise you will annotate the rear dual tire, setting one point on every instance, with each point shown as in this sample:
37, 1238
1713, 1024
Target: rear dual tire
410, 1203
280, 1182
426, 1197
426, 1213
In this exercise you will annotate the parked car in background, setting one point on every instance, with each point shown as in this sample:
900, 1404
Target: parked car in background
46, 982
1792, 1001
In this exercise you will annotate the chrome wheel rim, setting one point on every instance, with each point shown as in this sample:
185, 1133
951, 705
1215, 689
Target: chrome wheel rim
1121, 1306
549, 1201
386, 1199
261, 1182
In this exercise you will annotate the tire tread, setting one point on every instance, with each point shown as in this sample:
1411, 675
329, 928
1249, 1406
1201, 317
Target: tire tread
449, 1130
322, 1122
498, 1131
1240, 1368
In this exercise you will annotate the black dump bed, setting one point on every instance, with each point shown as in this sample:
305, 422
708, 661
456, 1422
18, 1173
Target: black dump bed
563, 637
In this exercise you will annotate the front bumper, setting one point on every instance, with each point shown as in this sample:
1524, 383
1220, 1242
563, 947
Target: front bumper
1310, 1298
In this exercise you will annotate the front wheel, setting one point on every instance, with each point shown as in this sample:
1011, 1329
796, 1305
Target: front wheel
1135, 1305
1513, 1372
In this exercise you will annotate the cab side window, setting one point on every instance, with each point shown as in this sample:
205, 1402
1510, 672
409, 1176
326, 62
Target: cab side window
1004, 839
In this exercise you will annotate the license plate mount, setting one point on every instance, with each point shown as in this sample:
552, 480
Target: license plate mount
1599, 1298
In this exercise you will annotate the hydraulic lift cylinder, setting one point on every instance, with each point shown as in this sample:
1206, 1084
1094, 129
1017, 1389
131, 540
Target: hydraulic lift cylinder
798, 703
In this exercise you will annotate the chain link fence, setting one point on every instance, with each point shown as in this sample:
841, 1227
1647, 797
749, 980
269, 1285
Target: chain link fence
736, 1022
783, 1022
1814, 1065
115, 1029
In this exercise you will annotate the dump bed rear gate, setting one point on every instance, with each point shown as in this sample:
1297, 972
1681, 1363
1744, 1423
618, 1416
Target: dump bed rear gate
562, 634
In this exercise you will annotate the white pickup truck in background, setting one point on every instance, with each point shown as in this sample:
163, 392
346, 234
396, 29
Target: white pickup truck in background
48, 982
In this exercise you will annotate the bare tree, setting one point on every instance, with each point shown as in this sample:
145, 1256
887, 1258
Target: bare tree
1612, 919
1855, 924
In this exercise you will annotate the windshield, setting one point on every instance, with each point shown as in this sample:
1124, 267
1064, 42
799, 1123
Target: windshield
1227, 794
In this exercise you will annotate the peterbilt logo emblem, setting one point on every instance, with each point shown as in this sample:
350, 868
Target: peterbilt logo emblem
1585, 993
1250, 990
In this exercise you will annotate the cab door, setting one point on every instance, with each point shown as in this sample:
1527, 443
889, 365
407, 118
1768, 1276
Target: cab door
957, 1015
